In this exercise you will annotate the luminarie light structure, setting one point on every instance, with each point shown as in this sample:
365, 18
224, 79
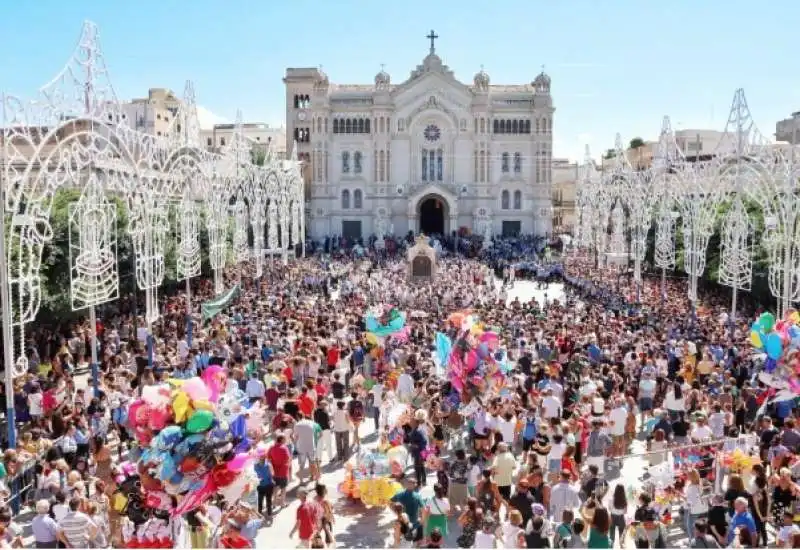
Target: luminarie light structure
75, 135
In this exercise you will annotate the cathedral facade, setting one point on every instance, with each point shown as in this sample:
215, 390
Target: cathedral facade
430, 154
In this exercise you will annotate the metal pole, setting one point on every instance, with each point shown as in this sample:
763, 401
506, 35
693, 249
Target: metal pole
188, 313
95, 368
733, 312
663, 286
8, 335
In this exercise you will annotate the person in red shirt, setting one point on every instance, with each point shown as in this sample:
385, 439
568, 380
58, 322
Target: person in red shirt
307, 520
287, 372
333, 357
232, 538
306, 403
281, 459
321, 389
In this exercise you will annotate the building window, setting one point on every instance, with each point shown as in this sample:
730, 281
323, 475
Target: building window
222, 142
432, 165
366, 126
335, 125
400, 125
348, 126
345, 199
209, 142
527, 126
439, 165
381, 166
514, 127
483, 125
504, 199
504, 163
345, 162
497, 128
517, 163
357, 163
517, 200
357, 199
424, 165
361, 126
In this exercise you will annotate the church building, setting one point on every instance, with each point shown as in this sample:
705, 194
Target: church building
430, 154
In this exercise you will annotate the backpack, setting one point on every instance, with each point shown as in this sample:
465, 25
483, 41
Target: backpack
356, 410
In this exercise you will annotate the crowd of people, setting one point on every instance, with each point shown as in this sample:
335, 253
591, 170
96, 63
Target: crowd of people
590, 381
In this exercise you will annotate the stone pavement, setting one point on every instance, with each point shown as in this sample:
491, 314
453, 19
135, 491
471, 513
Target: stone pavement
358, 526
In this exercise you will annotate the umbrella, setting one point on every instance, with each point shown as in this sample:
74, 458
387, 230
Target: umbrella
417, 314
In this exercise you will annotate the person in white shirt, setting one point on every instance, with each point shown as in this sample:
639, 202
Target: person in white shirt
618, 417
255, 388
35, 407
674, 401
507, 426
377, 403
551, 406
405, 387
701, 432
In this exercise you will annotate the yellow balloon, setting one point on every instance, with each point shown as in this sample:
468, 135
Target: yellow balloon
372, 339
203, 404
755, 339
795, 317
181, 406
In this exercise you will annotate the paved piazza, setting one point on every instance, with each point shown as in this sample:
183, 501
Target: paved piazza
358, 526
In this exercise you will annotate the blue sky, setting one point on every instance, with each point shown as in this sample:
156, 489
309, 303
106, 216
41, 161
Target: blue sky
616, 65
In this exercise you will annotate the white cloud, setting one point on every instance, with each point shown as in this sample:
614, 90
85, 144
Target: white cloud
207, 119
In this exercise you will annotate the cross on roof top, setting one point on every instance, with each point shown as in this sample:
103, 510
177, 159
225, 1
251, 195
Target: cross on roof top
432, 37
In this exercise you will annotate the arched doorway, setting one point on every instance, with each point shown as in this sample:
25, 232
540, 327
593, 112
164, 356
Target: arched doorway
432, 215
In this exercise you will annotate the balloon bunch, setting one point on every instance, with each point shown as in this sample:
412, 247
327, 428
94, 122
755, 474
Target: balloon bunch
386, 321
474, 361
194, 442
370, 474
780, 340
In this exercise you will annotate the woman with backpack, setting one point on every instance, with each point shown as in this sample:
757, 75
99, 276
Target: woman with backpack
355, 413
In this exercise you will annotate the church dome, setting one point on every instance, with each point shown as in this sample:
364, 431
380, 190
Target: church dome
481, 81
542, 83
382, 80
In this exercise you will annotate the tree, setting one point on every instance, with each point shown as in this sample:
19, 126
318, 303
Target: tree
636, 143
258, 156
610, 154
55, 269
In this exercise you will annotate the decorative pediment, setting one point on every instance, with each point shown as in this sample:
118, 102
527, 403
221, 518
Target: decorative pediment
434, 104
429, 81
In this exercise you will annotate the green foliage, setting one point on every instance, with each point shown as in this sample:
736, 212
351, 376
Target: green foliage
609, 154
55, 270
636, 143
759, 292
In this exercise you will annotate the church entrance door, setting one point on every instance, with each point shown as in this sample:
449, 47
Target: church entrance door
431, 216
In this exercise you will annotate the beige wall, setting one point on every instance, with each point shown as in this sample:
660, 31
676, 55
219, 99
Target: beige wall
565, 178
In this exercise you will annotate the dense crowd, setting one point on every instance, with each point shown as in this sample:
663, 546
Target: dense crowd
531, 459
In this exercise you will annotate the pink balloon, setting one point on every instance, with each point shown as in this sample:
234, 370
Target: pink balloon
196, 389
472, 360
215, 378
491, 339
457, 384
137, 414
157, 419
238, 463
794, 384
